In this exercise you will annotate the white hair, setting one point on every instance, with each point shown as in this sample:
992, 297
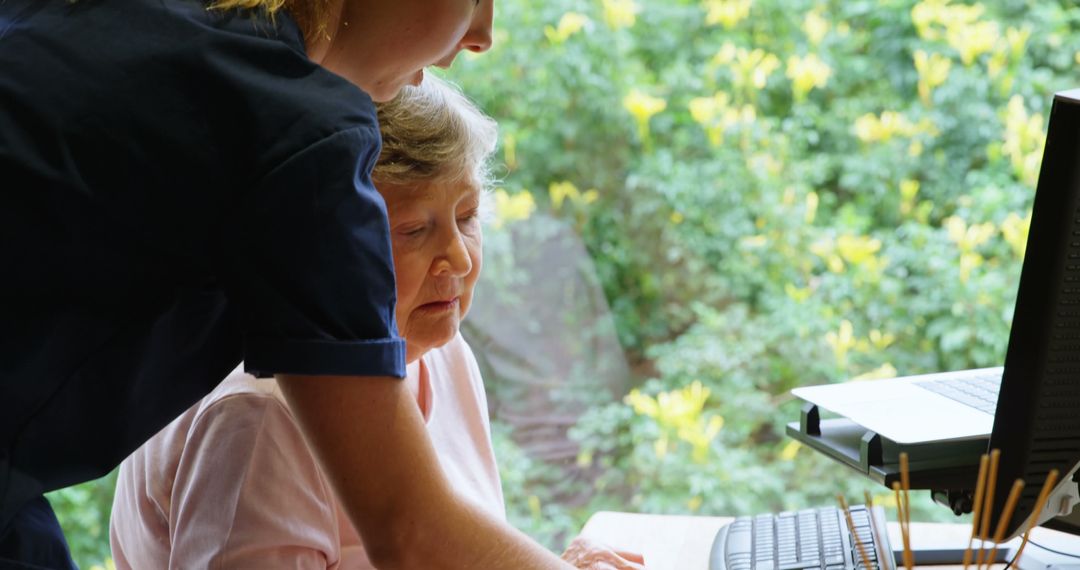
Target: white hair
433, 133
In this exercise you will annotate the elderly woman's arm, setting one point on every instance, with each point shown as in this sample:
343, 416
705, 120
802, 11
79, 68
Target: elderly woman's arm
370, 438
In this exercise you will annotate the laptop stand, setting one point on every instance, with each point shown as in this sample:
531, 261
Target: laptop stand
935, 465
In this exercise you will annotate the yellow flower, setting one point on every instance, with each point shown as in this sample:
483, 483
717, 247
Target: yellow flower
754, 241
620, 13
811, 208
968, 238
807, 73
676, 218
933, 18
958, 24
750, 69
1004, 55
717, 116
789, 451
755, 67
726, 54
874, 128
924, 15
560, 191
1015, 230
841, 341
881, 340
570, 24
643, 404
705, 109
109, 565
815, 27
857, 250
973, 40
880, 373
909, 189
534, 506
643, 106
1023, 141
933, 71
584, 458
1017, 40
679, 414
997, 62
512, 208
510, 151
727, 13
797, 294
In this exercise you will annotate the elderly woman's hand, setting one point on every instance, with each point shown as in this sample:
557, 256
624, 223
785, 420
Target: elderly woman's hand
590, 555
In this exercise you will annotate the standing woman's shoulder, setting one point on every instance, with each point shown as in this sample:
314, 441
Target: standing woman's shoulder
175, 78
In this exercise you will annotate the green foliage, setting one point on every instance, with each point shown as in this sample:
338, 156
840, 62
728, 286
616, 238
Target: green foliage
774, 193
83, 511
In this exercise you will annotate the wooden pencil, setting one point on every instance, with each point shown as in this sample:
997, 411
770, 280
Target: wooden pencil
1006, 516
988, 505
905, 526
854, 534
877, 533
980, 484
1044, 494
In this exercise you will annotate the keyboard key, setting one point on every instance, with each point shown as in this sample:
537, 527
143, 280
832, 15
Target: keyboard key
800, 565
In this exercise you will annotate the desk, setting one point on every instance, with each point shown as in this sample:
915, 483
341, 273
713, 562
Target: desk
672, 542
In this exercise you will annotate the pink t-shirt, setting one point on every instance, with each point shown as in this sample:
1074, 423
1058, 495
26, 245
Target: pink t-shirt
231, 483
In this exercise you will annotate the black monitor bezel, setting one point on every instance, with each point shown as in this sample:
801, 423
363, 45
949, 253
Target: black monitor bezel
1041, 377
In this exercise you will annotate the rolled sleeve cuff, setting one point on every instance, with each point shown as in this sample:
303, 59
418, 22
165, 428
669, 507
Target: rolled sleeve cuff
382, 357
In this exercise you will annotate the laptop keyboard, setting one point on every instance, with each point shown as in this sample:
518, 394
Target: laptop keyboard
800, 540
980, 391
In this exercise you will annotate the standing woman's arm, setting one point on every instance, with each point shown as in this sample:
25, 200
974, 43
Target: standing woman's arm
370, 438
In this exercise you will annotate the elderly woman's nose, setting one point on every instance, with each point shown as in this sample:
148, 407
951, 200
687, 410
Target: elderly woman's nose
455, 259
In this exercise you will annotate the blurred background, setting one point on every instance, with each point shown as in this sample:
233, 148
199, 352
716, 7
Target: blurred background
705, 203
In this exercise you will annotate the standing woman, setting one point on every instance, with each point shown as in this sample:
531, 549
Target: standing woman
187, 185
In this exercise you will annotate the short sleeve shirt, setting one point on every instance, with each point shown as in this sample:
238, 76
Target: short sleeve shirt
180, 189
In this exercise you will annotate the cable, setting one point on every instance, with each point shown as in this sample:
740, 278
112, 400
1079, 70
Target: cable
1068, 554
1048, 549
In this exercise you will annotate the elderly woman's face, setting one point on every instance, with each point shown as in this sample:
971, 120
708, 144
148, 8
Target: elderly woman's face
435, 232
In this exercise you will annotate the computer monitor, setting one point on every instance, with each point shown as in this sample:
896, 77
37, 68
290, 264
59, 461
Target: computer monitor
1037, 421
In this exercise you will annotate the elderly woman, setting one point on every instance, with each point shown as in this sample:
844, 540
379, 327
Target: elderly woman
231, 483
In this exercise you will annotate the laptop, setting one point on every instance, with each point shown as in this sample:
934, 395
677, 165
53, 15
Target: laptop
958, 406
946, 406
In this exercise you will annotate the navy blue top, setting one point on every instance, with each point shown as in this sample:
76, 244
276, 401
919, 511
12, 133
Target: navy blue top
180, 189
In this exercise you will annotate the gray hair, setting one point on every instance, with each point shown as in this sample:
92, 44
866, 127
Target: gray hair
433, 133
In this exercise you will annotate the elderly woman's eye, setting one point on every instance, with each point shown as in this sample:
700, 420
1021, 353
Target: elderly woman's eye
412, 231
